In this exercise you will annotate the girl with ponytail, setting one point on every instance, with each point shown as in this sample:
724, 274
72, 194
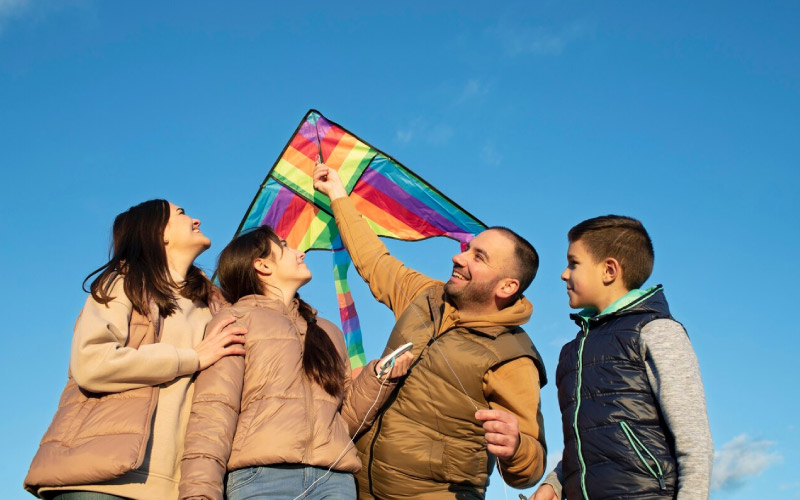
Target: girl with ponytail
278, 421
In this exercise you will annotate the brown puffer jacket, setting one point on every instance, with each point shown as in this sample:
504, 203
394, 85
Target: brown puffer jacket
97, 437
261, 409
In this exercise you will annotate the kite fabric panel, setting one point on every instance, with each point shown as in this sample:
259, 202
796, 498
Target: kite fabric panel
395, 202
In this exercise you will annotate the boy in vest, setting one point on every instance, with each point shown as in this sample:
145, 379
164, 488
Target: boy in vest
632, 402
429, 442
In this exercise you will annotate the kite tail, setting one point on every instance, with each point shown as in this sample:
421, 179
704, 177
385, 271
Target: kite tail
347, 308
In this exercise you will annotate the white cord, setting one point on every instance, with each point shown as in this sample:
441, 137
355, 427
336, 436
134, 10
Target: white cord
350, 443
447, 361
463, 389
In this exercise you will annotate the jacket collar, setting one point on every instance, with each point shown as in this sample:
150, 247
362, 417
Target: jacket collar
635, 301
270, 303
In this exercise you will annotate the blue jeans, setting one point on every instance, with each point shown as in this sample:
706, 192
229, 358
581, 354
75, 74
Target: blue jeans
285, 482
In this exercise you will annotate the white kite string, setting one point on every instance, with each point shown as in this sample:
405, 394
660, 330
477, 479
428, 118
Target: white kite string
433, 339
447, 361
434, 342
350, 443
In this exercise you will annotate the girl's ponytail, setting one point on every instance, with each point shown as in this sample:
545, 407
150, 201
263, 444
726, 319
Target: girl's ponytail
321, 361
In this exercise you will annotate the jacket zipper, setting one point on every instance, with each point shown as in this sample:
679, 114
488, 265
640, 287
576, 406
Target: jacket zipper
379, 422
634, 441
585, 330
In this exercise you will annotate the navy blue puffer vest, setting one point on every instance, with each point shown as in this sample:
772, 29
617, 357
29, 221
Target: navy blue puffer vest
616, 443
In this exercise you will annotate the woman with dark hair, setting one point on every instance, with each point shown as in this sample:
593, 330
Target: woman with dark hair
119, 428
282, 417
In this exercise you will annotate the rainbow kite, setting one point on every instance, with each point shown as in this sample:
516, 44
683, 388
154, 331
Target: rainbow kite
395, 202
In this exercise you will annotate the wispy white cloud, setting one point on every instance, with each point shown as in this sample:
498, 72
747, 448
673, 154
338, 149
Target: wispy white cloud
10, 9
404, 135
420, 130
491, 155
740, 459
791, 488
472, 89
537, 41
35, 10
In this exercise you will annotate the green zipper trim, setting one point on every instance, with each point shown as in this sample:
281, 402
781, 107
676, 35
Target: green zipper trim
585, 328
633, 437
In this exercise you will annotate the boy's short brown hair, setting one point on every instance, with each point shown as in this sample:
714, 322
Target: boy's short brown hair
622, 238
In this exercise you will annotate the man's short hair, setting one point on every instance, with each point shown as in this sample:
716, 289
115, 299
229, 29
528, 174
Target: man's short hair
619, 237
525, 256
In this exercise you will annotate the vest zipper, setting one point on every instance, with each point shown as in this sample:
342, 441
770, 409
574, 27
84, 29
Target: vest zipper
379, 423
634, 440
585, 330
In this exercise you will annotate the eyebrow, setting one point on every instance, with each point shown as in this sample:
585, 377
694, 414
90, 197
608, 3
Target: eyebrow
482, 252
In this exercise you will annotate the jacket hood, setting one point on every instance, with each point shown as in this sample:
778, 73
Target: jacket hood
516, 314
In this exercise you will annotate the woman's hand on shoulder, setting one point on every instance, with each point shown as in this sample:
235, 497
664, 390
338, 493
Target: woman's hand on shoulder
225, 338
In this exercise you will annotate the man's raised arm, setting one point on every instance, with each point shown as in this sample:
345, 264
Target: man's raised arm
391, 282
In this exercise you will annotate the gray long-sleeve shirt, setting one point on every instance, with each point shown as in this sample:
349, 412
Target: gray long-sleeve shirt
674, 376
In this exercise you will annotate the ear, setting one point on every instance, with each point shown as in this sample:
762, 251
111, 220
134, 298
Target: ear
507, 288
262, 266
612, 271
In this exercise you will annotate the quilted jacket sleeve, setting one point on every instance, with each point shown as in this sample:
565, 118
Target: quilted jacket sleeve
364, 396
212, 424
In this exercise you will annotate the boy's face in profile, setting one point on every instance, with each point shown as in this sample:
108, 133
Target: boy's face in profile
584, 277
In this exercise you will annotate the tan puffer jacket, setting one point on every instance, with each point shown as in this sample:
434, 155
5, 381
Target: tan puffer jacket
261, 409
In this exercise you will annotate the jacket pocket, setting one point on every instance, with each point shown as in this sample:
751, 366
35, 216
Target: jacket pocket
640, 448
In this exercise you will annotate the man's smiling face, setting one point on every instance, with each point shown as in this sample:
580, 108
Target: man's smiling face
478, 270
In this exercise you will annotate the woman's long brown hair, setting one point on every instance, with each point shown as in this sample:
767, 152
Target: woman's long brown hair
138, 254
238, 278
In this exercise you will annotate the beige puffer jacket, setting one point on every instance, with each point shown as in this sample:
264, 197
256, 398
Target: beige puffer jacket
261, 409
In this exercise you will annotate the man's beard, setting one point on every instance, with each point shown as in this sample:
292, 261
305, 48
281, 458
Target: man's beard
470, 294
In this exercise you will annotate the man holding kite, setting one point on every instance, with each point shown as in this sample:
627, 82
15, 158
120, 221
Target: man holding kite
472, 393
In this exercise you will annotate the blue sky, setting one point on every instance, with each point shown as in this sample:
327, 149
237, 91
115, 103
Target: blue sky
533, 115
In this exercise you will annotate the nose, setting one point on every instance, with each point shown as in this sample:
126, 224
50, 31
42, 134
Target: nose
458, 259
565, 274
196, 222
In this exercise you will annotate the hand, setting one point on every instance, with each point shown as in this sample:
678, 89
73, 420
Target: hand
401, 365
219, 342
328, 182
502, 432
545, 492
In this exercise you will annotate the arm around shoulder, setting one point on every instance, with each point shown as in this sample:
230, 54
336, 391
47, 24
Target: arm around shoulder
100, 362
